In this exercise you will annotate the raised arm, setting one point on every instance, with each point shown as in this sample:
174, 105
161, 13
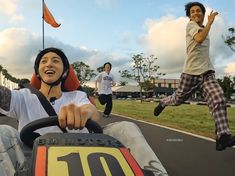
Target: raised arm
201, 35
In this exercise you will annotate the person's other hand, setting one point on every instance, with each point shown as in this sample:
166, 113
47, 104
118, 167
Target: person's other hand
211, 17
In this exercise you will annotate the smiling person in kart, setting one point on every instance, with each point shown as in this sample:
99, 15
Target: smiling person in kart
73, 108
51, 67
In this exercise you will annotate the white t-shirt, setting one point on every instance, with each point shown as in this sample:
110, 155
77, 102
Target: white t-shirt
198, 60
26, 107
105, 81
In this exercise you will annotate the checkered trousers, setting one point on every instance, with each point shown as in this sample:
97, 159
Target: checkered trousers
212, 93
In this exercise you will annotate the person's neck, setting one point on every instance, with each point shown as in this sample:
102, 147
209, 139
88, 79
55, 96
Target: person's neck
55, 92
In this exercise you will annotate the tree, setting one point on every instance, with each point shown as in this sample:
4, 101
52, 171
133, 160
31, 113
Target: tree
227, 85
84, 73
7, 75
144, 71
234, 84
230, 39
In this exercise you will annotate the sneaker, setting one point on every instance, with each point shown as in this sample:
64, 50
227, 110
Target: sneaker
106, 116
225, 140
158, 109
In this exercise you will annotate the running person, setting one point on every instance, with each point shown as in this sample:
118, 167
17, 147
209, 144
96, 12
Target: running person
198, 73
105, 80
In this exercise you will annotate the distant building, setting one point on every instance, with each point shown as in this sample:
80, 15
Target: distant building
130, 91
163, 87
168, 83
166, 86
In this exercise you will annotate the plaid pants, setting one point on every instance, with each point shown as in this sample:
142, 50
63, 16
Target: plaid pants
212, 93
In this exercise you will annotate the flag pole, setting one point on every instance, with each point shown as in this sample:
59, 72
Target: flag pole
42, 24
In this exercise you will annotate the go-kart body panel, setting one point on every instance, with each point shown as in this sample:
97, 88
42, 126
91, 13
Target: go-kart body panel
80, 154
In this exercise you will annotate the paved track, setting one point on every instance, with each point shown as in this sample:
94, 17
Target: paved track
181, 154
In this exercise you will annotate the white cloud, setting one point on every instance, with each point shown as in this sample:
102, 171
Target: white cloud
230, 68
165, 39
9, 8
16, 18
19, 47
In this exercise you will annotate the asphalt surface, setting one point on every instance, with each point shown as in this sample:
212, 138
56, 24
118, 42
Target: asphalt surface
185, 155
181, 154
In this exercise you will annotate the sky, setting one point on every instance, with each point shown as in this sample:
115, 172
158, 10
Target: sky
99, 31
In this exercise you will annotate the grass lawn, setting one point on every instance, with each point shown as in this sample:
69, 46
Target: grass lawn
191, 118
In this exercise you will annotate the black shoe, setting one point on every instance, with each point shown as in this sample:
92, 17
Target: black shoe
225, 140
158, 109
106, 116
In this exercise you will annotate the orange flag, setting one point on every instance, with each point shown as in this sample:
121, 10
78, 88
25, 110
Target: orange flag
49, 18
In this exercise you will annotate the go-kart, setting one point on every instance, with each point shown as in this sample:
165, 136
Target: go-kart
76, 154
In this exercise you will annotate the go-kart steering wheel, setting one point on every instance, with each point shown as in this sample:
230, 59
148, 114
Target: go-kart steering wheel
27, 134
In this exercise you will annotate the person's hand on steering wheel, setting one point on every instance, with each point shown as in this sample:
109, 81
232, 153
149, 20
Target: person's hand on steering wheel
75, 117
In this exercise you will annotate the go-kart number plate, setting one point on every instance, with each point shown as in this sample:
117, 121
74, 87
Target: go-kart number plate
87, 161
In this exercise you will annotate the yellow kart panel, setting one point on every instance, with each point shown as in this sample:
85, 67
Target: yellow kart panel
89, 158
